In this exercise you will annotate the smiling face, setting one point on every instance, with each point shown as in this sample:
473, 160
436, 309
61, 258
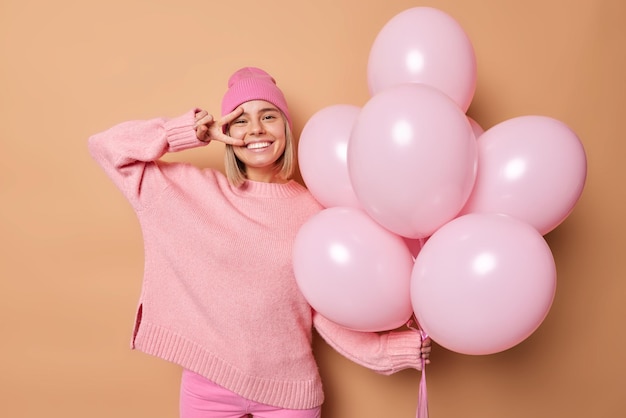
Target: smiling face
262, 128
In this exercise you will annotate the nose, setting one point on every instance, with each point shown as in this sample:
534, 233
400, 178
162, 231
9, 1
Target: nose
256, 127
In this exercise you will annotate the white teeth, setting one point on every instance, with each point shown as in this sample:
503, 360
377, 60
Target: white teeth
257, 145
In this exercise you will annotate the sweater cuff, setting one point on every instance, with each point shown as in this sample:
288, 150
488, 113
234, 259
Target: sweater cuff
405, 350
181, 134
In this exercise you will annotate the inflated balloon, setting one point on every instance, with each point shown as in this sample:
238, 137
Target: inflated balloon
530, 167
483, 283
476, 128
424, 45
412, 159
353, 271
322, 155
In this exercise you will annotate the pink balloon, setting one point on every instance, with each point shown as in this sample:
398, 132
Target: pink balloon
412, 159
322, 155
530, 167
483, 283
476, 128
424, 45
353, 271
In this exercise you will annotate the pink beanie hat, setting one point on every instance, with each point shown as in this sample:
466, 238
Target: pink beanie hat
251, 83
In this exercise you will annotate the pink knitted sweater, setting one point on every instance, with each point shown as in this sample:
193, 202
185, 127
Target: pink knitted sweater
219, 296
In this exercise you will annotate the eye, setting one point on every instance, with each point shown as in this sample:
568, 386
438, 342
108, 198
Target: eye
269, 116
239, 122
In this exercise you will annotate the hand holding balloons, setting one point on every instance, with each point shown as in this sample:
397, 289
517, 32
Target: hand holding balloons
409, 176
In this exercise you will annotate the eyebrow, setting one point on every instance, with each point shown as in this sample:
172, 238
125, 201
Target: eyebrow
265, 109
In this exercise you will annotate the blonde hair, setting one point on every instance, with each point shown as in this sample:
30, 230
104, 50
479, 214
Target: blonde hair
236, 170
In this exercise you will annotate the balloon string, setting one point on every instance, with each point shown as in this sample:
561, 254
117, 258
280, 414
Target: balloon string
422, 396
422, 405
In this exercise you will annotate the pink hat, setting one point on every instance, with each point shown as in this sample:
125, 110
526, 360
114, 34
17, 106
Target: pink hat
251, 83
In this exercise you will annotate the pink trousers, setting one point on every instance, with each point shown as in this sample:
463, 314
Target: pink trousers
201, 398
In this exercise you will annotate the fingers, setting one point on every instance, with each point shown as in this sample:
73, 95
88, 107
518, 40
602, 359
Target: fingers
205, 120
202, 122
232, 116
201, 114
222, 137
202, 133
426, 349
208, 129
427, 343
215, 132
219, 134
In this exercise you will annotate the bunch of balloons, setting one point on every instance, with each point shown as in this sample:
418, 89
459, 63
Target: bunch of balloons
426, 213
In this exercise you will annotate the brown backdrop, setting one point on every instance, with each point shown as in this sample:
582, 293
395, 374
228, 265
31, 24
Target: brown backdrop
71, 253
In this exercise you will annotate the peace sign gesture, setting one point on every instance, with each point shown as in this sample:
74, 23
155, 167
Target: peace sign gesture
208, 129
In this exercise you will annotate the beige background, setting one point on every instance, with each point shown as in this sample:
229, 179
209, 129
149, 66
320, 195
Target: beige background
71, 252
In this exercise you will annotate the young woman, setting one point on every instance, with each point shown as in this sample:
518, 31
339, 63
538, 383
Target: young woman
219, 296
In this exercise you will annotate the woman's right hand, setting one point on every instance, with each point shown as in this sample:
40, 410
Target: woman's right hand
208, 129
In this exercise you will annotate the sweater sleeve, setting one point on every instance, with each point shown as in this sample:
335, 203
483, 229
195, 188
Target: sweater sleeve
128, 152
384, 353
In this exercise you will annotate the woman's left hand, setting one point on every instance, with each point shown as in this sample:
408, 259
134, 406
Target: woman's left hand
425, 349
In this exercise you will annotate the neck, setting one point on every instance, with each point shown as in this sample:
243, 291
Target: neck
264, 175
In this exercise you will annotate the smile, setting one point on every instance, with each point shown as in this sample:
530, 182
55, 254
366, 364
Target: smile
258, 145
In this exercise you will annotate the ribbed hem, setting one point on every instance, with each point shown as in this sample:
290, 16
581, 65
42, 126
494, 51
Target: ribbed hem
180, 132
165, 344
405, 350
